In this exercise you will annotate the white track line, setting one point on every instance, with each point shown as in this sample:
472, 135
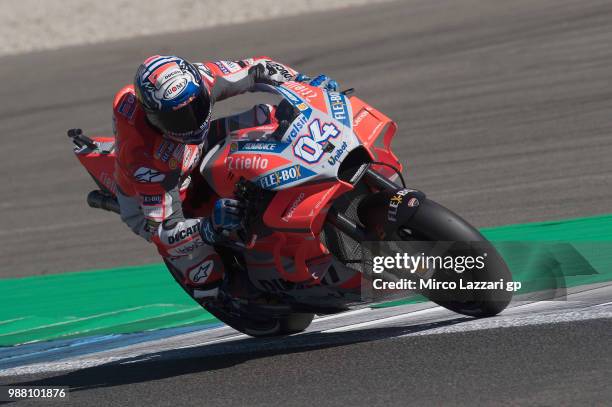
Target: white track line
502, 321
384, 320
104, 315
344, 314
212, 341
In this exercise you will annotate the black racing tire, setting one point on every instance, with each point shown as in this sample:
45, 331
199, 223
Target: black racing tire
434, 222
295, 323
262, 327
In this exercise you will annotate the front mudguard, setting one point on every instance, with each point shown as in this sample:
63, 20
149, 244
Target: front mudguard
384, 212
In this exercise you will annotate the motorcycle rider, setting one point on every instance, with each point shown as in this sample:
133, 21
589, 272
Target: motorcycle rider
163, 126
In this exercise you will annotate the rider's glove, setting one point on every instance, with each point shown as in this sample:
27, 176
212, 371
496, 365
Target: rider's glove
322, 81
227, 216
207, 232
271, 72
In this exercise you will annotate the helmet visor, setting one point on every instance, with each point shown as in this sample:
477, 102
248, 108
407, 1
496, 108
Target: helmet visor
188, 124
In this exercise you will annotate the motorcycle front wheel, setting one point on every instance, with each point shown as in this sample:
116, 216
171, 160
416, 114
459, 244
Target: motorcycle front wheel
434, 223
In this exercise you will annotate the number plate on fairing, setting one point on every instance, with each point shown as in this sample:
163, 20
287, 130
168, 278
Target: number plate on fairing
311, 148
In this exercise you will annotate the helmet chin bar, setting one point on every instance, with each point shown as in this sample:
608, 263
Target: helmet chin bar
196, 138
183, 138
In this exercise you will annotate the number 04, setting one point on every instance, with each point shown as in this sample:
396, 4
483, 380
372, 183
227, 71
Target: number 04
310, 147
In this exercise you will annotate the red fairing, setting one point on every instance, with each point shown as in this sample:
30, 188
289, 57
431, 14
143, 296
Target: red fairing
298, 214
228, 168
303, 208
368, 125
101, 166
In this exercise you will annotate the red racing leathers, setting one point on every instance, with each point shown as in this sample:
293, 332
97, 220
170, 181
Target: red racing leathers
154, 174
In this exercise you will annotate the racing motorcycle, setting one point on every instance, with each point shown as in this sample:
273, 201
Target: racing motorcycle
319, 183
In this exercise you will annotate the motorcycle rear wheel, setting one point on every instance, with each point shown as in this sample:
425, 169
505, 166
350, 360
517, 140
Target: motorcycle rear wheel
260, 327
264, 327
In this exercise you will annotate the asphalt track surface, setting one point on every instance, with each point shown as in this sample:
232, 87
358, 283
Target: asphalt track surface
504, 115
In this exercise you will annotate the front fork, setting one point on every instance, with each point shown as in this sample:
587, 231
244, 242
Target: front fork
385, 187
